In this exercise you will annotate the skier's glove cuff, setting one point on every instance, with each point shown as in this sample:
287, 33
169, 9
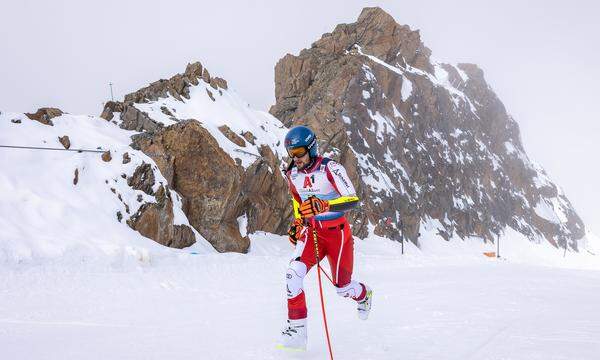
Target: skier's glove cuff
296, 231
313, 206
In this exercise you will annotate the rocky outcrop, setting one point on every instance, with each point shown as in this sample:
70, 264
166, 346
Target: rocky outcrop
177, 86
142, 179
65, 141
216, 191
155, 221
232, 136
110, 108
216, 188
126, 158
45, 115
134, 119
426, 143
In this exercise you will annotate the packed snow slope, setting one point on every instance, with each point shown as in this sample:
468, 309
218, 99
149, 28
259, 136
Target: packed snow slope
448, 302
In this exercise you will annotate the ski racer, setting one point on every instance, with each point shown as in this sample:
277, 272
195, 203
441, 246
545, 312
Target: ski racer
322, 190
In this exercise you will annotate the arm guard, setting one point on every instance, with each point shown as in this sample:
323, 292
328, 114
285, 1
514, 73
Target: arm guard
296, 206
343, 203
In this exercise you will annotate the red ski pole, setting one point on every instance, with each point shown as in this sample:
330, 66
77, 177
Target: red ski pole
314, 232
326, 275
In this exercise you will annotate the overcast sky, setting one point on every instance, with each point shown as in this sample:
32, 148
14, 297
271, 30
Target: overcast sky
542, 59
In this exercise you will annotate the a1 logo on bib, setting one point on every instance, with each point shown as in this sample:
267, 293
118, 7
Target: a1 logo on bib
307, 181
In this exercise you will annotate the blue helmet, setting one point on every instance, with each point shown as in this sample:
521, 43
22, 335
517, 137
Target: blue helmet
302, 136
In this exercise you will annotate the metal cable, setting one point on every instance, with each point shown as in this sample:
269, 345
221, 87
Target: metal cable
46, 148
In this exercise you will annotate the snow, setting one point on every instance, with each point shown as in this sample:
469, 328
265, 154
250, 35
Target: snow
369, 73
439, 78
397, 113
445, 302
383, 125
591, 243
373, 177
456, 133
63, 218
407, 88
366, 95
546, 211
463, 75
463, 202
243, 225
442, 79
496, 162
510, 149
436, 135
387, 156
227, 109
541, 179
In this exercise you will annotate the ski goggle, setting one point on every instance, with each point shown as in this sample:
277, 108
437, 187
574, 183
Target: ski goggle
297, 152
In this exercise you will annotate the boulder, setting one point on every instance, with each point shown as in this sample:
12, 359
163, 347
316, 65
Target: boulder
65, 141
45, 115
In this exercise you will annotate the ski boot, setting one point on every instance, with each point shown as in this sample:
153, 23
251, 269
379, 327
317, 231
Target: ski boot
293, 336
364, 307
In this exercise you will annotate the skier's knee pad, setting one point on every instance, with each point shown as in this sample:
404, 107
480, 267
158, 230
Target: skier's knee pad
352, 290
294, 277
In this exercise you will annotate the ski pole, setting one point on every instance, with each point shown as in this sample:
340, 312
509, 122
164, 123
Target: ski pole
314, 232
326, 275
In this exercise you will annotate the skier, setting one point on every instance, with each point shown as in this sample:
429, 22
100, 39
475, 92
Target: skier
320, 189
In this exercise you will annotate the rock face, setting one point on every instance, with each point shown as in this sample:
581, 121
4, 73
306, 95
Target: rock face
155, 221
142, 179
428, 144
217, 187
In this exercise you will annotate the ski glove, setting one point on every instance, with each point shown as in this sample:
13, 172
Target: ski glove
313, 206
296, 231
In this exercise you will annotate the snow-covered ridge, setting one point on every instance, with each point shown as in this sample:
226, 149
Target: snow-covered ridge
216, 108
440, 78
47, 211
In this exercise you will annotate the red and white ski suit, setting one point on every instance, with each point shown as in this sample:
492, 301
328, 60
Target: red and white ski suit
327, 180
